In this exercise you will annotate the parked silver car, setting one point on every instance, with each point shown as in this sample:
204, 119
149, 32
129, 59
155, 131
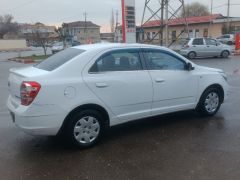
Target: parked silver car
227, 39
205, 47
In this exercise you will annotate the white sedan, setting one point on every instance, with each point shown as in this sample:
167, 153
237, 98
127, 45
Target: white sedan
80, 91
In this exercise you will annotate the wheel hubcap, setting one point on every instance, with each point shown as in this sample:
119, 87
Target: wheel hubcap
192, 55
211, 102
86, 130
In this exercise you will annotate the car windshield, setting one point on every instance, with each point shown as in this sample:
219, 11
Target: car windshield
57, 60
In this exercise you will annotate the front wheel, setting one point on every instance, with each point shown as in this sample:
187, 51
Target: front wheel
85, 128
210, 102
225, 54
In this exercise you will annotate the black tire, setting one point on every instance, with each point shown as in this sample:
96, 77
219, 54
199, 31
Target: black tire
74, 121
202, 105
225, 54
192, 55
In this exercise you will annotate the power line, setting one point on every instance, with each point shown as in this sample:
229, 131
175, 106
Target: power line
21, 5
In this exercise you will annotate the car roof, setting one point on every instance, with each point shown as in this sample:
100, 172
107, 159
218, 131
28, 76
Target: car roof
103, 46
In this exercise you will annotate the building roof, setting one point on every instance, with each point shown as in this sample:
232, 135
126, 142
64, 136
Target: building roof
29, 28
82, 24
181, 21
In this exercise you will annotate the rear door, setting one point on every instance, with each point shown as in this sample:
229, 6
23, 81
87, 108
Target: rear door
120, 80
198, 46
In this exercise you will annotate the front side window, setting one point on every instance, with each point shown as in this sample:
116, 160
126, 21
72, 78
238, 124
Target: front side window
163, 61
211, 42
117, 61
198, 41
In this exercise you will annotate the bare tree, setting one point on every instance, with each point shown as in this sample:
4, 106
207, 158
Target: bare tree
195, 9
40, 35
7, 26
63, 33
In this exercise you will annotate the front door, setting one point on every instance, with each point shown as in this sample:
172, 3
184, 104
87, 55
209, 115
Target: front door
212, 48
119, 80
175, 88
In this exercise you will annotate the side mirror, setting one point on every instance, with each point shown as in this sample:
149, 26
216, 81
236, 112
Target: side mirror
189, 67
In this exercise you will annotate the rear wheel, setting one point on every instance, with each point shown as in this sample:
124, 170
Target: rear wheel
85, 128
225, 54
210, 102
191, 55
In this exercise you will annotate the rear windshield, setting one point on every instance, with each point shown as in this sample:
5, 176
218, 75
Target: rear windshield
57, 60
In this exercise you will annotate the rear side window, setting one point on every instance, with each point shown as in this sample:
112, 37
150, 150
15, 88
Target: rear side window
57, 60
117, 61
198, 41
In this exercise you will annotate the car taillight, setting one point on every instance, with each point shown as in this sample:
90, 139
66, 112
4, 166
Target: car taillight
29, 91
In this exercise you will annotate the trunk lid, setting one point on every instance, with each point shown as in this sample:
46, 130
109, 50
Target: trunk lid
18, 75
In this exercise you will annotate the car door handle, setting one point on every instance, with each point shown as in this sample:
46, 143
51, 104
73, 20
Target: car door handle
158, 80
101, 85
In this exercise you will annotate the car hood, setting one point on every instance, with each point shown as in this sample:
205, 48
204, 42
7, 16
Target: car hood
210, 69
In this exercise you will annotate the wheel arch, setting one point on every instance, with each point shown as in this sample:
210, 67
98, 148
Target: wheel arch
83, 107
227, 51
219, 87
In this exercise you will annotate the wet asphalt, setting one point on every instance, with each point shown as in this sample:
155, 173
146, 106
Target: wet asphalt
178, 146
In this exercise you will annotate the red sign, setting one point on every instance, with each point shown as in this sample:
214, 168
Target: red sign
237, 41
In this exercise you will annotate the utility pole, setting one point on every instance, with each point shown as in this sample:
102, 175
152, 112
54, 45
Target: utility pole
166, 23
116, 27
210, 27
161, 22
155, 13
85, 26
228, 14
112, 23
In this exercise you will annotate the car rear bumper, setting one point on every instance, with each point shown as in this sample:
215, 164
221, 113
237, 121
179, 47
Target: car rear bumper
35, 124
41, 125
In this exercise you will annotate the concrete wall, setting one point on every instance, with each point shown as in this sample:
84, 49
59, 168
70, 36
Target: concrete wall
18, 44
196, 30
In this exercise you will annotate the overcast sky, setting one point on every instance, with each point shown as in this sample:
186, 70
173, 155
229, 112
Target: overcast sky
99, 11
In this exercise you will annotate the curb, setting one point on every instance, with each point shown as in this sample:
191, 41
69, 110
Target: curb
24, 61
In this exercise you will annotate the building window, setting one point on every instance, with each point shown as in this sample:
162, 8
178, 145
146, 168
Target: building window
197, 33
191, 33
205, 33
148, 35
153, 34
174, 36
